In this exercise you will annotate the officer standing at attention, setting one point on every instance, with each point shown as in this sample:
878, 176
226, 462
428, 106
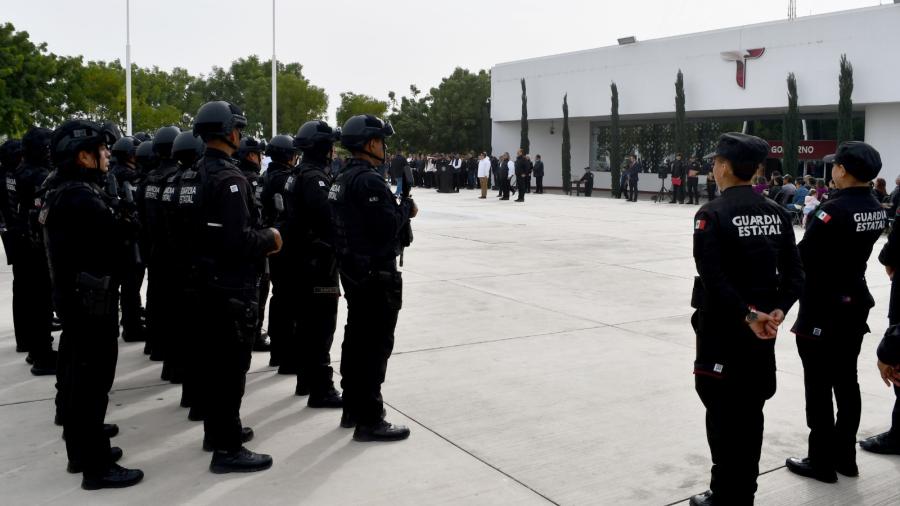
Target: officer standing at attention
229, 250
32, 302
834, 308
749, 277
284, 157
311, 264
249, 157
370, 229
588, 181
522, 170
86, 247
125, 171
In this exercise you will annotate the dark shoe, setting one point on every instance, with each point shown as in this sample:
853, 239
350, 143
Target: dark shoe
504, 198
185, 401
262, 344
704, 499
302, 389
110, 430
133, 335
39, 369
166, 373
803, 468
288, 369
380, 431
29, 359
176, 376
274, 361
147, 348
246, 436
196, 414
882, 444
114, 477
331, 398
57, 420
848, 469
520, 200
115, 453
156, 355
240, 461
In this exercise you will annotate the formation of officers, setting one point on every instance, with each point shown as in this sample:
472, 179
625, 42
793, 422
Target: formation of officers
751, 272
191, 211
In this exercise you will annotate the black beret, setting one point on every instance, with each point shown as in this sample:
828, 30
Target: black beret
861, 160
737, 147
889, 348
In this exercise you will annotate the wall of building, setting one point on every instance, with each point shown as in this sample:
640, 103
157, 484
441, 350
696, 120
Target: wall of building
883, 132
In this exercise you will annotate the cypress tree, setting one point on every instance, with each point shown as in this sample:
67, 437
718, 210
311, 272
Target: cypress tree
524, 144
615, 140
845, 105
792, 128
566, 148
680, 127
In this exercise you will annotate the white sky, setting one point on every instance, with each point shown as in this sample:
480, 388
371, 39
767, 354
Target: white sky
373, 47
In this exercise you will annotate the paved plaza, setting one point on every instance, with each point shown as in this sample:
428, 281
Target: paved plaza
543, 356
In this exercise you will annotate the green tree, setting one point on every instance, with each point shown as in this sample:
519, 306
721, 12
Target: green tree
411, 123
681, 143
845, 104
793, 128
456, 113
615, 140
524, 143
353, 104
566, 147
27, 74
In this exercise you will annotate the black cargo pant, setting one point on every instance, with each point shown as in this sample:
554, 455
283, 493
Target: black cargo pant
521, 186
830, 366
373, 304
894, 319
162, 287
315, 306
281, 323
132, 307
228, 321
693, 190
87, 368
32, 303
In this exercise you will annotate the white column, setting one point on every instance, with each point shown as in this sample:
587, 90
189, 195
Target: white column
882, 132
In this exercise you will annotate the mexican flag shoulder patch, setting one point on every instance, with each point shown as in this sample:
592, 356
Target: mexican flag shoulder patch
700, 224
822, 215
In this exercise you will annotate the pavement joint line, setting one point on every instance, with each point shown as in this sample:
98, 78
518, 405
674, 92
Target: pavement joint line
500, 340
476, 457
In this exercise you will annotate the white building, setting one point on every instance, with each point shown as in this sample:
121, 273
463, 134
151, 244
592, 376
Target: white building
645, 71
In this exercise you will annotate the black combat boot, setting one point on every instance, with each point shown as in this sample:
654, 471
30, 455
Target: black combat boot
382, 430
241, 460
114, 477
329, 398
803, 467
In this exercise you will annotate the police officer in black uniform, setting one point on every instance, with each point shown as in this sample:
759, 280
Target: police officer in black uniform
311, 265
228, 252
249, 157
284, 157
125, 170
749, 276
86, 247
10, 158
32, 301
888, 443
834, 308
588, 181
370, 229
184, 215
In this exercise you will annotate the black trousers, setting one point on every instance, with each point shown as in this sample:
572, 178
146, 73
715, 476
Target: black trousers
527, 180
372, 309
693, 190
894, 319
521, 187
281, 324
85, 373
734, 431
132, 306
632, 190
32, 303
226, 341
504, 187
539, 184
710, 189
830, 367
677, 194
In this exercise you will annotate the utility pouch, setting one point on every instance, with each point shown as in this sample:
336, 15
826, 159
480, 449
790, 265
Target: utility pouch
97, 295
244, 314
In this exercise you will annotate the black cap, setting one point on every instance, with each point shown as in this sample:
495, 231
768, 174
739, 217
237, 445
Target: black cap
861, 160
737, 147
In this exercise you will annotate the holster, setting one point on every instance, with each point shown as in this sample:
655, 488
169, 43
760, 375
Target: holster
244, 315
97, 296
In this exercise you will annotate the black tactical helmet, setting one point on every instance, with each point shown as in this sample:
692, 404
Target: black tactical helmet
142, 136
187, 148
281, 147
124, 147
218, 119
316, 134
78, 135
10, 153
144, 155
36, 144
111, 130
250, 145
162, 141
359, 130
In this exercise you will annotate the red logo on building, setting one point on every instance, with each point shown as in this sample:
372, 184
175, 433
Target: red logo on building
740, 57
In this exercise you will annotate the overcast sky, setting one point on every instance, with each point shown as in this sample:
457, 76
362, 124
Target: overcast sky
373, 47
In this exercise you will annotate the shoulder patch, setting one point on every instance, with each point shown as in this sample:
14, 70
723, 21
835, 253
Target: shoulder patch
700, 224
233, 188
822, 215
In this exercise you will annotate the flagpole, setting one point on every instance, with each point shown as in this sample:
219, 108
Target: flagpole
274, 82
127, 67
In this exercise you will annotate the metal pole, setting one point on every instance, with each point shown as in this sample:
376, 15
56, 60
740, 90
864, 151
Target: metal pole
127, 67
274, 82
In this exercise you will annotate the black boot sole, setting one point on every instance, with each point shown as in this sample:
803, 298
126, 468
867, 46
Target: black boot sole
226, 469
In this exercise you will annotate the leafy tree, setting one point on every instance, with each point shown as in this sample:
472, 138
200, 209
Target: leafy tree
525, 144
793, 128
681, 144
353, 104
615, 140
411, 123
566, 147
27, 94
845, 104
456, 113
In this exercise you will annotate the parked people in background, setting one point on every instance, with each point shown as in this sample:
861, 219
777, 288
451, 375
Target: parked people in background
760, 184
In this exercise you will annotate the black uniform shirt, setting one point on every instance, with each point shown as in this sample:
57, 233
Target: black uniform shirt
835, 250
746, 257
22, 187
272, 195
